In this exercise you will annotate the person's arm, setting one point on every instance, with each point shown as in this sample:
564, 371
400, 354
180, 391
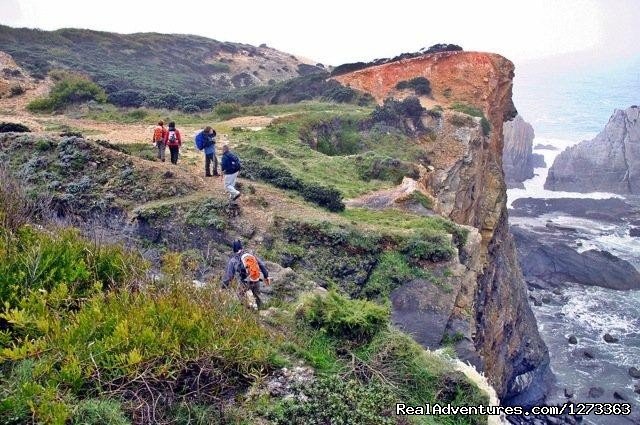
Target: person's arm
165, 137
230, 272
223, 163
179, 137
263, 269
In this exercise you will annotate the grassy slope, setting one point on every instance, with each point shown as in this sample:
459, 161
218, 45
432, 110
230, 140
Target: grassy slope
359, 380
148, 62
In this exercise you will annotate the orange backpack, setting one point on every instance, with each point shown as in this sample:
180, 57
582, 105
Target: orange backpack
251, 267
158, 134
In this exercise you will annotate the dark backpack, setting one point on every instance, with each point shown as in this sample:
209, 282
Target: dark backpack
234, 163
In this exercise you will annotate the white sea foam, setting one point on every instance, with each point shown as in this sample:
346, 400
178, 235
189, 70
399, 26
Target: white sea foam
534, 187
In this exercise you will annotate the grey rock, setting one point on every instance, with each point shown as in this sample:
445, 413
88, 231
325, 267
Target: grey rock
588, 354
610, 338
596, 392
608, 163
568, 393
636, 388
573, 339
518, 160
634, 372
556, 263
618, 396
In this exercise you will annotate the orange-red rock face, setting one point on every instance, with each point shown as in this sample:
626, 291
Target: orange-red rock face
468, 185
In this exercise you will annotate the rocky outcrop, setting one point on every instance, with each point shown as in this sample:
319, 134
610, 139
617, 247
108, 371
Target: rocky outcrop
608, 163
556, 263
518, 159
612, 210
489, 307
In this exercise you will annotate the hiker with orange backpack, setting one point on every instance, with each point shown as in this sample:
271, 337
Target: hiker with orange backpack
159, 133
250, 270
173, 140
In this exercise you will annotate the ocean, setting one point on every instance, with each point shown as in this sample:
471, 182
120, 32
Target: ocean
564, 108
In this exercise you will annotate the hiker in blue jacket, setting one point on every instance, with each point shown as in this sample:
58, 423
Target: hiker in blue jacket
230, 165
206, 140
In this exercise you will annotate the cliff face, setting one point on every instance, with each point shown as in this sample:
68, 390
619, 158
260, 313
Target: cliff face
490, 307
608, 163
518, 160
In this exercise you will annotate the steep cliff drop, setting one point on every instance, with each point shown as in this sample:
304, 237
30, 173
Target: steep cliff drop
608, 163
490, 308
518, 159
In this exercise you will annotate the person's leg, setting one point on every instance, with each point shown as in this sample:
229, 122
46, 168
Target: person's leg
163, 148
255, 290
229, 184
215, 164
207, 165
174, 154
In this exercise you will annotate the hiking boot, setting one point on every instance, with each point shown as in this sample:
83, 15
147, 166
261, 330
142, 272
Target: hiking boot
236, 196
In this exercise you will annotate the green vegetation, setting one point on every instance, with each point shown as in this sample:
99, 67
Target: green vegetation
474, 112
342, 318
68, 89
398, 114
303, 88
89, 337
420, 85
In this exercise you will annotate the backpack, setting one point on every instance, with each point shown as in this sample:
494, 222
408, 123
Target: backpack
172, 137
200, 140
158, 134
234, 163
251, 267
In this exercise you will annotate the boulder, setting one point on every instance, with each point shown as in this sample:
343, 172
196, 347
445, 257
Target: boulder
634, 372
556, 262
596, 392
608, 163
572, 339
610, 338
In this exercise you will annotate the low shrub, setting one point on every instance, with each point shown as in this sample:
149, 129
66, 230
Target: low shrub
34, 260
326, 197
127, 98
7, 127
68, 89
424, 246
395, 113
486, 126
420, 85
342, 318
16, 90
332, 400
227, 110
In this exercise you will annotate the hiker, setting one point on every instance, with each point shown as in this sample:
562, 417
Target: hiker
173, 140
159, 134
230, 165
206, 140
250, 269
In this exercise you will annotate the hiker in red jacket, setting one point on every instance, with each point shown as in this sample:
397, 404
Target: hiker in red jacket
174, 141
159, 134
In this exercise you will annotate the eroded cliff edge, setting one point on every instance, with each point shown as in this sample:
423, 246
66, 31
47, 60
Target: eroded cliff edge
468, 186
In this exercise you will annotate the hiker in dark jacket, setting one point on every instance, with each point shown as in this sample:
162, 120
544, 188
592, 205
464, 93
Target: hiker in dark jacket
206, 141
249, 275
173, 140
230, 165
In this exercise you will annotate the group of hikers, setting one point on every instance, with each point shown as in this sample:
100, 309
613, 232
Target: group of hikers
249, 268
205, 140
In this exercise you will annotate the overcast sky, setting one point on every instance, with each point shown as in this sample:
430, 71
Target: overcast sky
339, 31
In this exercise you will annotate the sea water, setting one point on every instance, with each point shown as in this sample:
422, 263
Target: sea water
564, 109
